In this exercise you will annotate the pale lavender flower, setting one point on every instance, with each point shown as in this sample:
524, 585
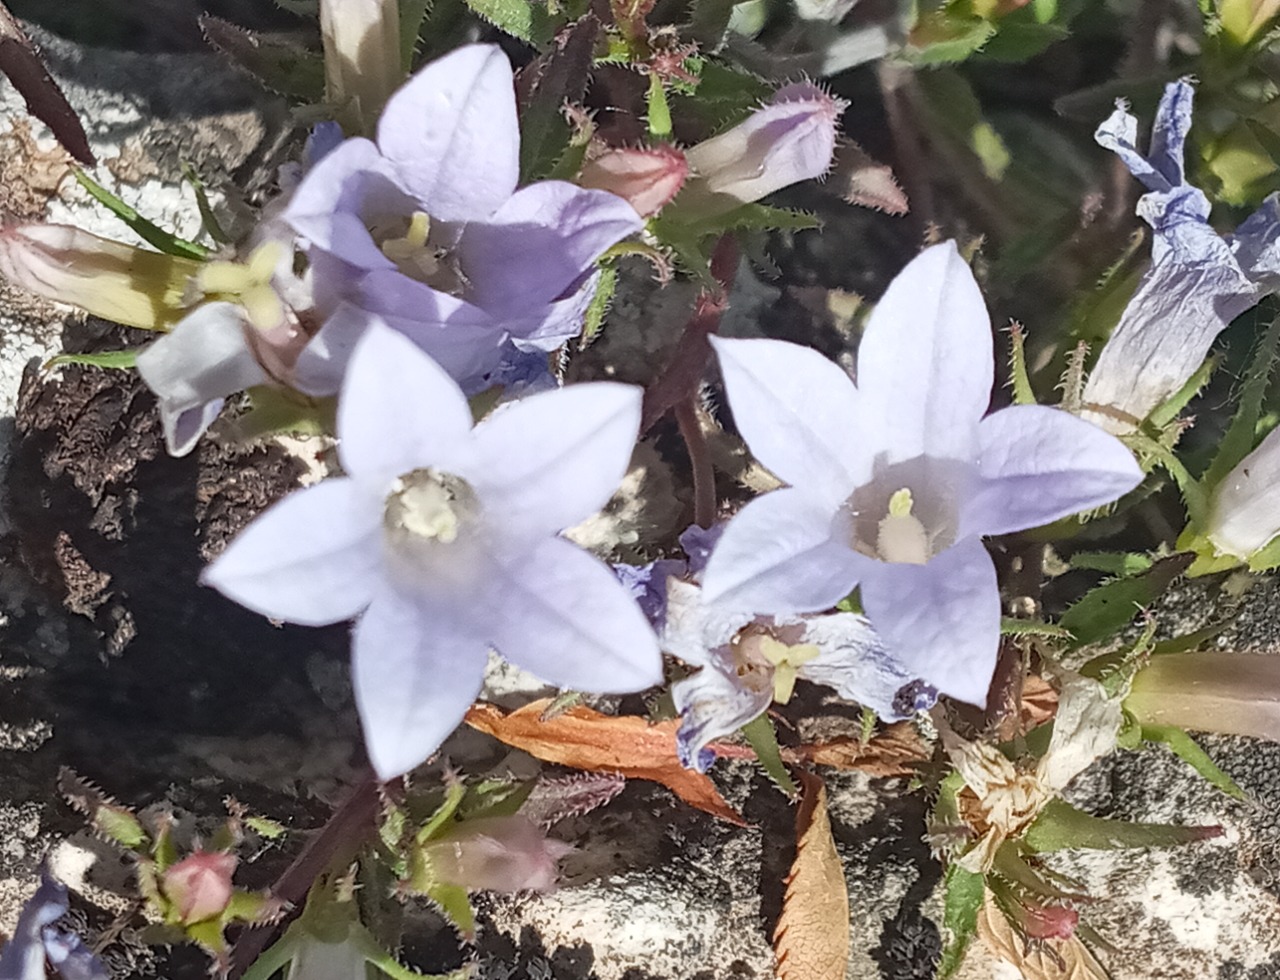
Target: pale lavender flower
1198, 281
438, 239
38, 939
892, 483
748, 662
443, 540
1244, 511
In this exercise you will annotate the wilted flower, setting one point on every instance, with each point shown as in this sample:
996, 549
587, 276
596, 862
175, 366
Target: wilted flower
892, 483
1198, 281
38, 939
432, 235
1244, 511
748, 663
1213, 691
790, 138
646, 178
443, 540
501, 854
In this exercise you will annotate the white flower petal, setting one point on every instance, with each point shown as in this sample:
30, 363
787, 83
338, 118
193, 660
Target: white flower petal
314, 558
693, 627
546, 462
854, 662
926, 362
562, 615
778, 556
415, 674
193, 368
941, 619
1038, 464
712, 704
399, 410
797, 412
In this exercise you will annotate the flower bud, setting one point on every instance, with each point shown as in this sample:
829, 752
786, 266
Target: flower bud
1228, 693
361, 57
1244, 511
647, 179
1244, 20
501, 854
133, 286
789, 139
199, 886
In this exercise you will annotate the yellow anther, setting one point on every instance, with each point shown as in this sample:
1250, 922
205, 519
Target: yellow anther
900, 503
787, 661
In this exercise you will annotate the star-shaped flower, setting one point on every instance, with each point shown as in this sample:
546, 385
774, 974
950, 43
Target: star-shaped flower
443, 540
893, 483
1198, 281
437, 239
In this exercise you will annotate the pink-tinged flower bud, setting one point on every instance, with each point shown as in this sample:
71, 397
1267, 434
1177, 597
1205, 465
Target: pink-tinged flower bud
1048, 921
362, 63
1244, 512
501, 854
133, 286
647, 179
789, 139
1229, 693
199, 886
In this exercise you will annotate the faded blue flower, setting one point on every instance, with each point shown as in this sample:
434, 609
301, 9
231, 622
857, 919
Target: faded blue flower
893, 483
1198, 281
443, 539
38, 939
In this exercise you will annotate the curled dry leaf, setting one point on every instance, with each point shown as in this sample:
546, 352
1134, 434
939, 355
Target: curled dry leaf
1049, 959
811, 941
892, 752
586, 739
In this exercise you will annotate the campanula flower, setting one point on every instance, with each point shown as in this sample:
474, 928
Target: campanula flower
443, 540
1244, 510
38, 939
893, 483
1198, 281
433, 234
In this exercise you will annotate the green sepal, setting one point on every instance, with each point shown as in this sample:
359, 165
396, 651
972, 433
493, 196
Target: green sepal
1119, 563
1061, 826
274, 411
454, 904
442, 818
593, 322
1019, 378
965, 891
658, 114
763, 740
148, 231
1189, 751
1108, 608
1172, 407
495, 798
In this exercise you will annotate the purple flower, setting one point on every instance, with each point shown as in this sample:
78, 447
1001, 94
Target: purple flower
443, 540
433, 234
892, 483
748, 662
38, 940
1198, 281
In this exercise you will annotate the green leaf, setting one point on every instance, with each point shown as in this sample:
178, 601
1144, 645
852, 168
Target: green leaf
495, 798
1020, 40
122, 360
278, 63
1188, 750
764, 742
1172, 407
266, 827
599, 306
413, 13
530, 22
442, 818
1026, 627
558, 77
207, 218
148, 231
1019, 379
1110, 607
275, 411
455, 906
658, 113
1238, 441
1061, 826
760, 217
1120, 563
964, 893
941, 38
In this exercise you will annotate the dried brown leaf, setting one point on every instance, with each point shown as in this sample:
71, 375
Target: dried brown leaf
1048, 959
892, 752
586, 739
811, 941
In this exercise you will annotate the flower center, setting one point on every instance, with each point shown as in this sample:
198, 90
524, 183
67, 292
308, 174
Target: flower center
763, 658
417, 253
249, 284
909, 511
433, 530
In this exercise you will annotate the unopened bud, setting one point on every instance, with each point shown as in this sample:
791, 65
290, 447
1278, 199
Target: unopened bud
199, 886
118, 282
647, 179
1244, 512
502, 854
1228, 693
362, 63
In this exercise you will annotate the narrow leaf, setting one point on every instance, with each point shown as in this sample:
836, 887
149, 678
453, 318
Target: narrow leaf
1188, 750
1061, 826
964, 894
1019, 379
543, 87
282, 66
117, 359
764, 742
530, 22
1107, 609
659, 110
811, 940
21, 63
1238, 441
147, 230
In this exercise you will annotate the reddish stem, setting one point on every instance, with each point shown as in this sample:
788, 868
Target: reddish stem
683, 375
348, 828
704, 475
